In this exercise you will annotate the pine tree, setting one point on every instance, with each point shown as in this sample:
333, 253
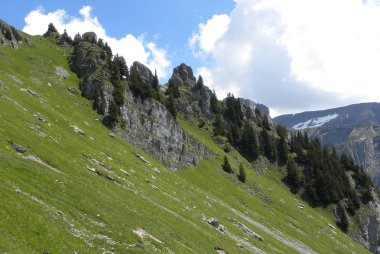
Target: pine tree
122, 66
214, 103
77, 39
343, 221
113, 114
293, 176
118, 91
65, 38
249, 142
269, 148
282, 147
171, 106
226, 165
219, 129
242, 176
173, 90
155, 80
200, 84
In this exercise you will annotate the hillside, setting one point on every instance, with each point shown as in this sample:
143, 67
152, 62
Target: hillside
353, 129
69, 184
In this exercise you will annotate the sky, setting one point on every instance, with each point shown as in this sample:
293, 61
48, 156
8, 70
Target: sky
293, 55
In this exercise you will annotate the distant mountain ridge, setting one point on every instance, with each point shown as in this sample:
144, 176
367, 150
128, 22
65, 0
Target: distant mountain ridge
353, 129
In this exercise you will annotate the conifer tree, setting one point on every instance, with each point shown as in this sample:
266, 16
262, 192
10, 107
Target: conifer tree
219, 129
214, 103
65, 38
343, 221
293, 176
171, 106
122, 65
269, 148
282, 147
77, 39
226, 165
200, 84
173, 90
242, 176
249, 142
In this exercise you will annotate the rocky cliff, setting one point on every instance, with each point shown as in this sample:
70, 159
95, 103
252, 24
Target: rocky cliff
10, 36
143, 122
183, 76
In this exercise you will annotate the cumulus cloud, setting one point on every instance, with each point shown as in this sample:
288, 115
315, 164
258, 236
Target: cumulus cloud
209, 33
130, 47
296, 55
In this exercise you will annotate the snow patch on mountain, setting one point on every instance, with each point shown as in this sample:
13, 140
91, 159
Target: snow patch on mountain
315, 122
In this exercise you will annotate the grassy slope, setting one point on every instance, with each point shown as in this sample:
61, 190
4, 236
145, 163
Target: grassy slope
99, 215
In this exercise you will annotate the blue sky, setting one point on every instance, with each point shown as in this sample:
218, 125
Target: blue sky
279, 53
169, 23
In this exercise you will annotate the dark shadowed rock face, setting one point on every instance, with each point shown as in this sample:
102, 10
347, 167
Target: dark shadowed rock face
183, 75
144, 72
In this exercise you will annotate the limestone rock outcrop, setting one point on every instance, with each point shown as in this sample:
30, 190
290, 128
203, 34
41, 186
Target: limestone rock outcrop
183, 76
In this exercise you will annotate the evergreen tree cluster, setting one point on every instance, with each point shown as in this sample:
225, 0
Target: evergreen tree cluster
97, 64
325, 177
143, 89
93, 62
172, 93
251, 138
321, 175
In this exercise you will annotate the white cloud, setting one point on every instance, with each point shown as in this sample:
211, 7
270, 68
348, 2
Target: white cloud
130, 47
297, 54
209, 34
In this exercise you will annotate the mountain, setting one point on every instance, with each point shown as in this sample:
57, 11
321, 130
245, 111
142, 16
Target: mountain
96, 157
354, 130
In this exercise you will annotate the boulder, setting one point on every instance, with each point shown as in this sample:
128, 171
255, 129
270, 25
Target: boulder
77, 129
219, 250
61, 72
19, 148
248, 231
183, 75
157, 170
142, 159
213, 222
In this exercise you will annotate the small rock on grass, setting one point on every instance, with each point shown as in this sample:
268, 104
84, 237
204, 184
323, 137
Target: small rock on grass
17, 147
